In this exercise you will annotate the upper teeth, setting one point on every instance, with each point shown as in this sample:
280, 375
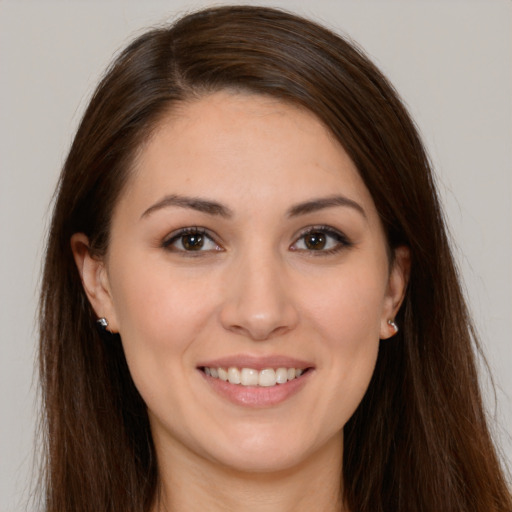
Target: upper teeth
251, 377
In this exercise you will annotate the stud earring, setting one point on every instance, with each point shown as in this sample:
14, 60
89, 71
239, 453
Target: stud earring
393, 325
102, 324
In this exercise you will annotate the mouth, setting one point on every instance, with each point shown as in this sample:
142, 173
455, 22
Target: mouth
256, 382
266, 377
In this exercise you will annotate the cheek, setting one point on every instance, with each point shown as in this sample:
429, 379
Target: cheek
347, 326
351, 328
348, 309
160, 314
161, 318
159, 301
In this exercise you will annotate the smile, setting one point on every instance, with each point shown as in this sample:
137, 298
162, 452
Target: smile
268, 377
256, 381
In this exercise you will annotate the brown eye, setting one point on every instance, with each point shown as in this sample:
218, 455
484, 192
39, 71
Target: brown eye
321, 240
192, 242
315, 241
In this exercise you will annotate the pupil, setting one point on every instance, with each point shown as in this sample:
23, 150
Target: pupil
193, 242
315, 241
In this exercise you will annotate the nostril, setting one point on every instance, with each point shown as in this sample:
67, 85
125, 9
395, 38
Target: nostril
259, 314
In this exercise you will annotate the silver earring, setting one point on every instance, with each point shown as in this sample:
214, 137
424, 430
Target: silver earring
102, 323
393, 324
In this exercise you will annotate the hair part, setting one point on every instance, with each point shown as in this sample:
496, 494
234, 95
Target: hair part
419, 439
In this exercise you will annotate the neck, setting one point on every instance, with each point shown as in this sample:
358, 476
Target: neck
194, 484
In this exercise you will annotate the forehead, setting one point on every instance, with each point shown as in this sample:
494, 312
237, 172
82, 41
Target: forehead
243, 149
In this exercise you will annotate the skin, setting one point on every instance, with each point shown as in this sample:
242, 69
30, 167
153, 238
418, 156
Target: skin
255, 288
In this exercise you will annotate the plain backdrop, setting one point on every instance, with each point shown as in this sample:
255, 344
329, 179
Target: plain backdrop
450, 61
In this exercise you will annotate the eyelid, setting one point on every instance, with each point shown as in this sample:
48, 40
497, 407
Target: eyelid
343, 241
189, 230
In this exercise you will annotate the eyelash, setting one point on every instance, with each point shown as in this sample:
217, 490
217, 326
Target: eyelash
341, 240
180, 234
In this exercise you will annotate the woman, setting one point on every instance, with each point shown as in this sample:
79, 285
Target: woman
249, 214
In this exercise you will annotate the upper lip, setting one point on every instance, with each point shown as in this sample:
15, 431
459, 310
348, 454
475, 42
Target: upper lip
256, 362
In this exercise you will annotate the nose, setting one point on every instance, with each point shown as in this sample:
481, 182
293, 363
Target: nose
259, 302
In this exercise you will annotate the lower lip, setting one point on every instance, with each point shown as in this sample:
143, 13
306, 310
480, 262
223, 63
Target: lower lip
257, 396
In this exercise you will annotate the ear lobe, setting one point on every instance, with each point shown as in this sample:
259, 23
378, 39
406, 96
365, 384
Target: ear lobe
94, 279
397, 286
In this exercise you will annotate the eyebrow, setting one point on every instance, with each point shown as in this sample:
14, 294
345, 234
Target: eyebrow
194, 203
215, 208
315, 205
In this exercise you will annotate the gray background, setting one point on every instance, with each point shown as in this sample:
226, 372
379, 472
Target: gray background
450, 60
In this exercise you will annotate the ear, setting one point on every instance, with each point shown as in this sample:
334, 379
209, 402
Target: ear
93, 274
397, 285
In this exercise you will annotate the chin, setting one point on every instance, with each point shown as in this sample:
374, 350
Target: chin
273, 450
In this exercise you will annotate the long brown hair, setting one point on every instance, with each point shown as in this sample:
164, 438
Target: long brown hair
419, 440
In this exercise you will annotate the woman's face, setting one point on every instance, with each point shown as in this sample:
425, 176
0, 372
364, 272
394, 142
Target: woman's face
246, 247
